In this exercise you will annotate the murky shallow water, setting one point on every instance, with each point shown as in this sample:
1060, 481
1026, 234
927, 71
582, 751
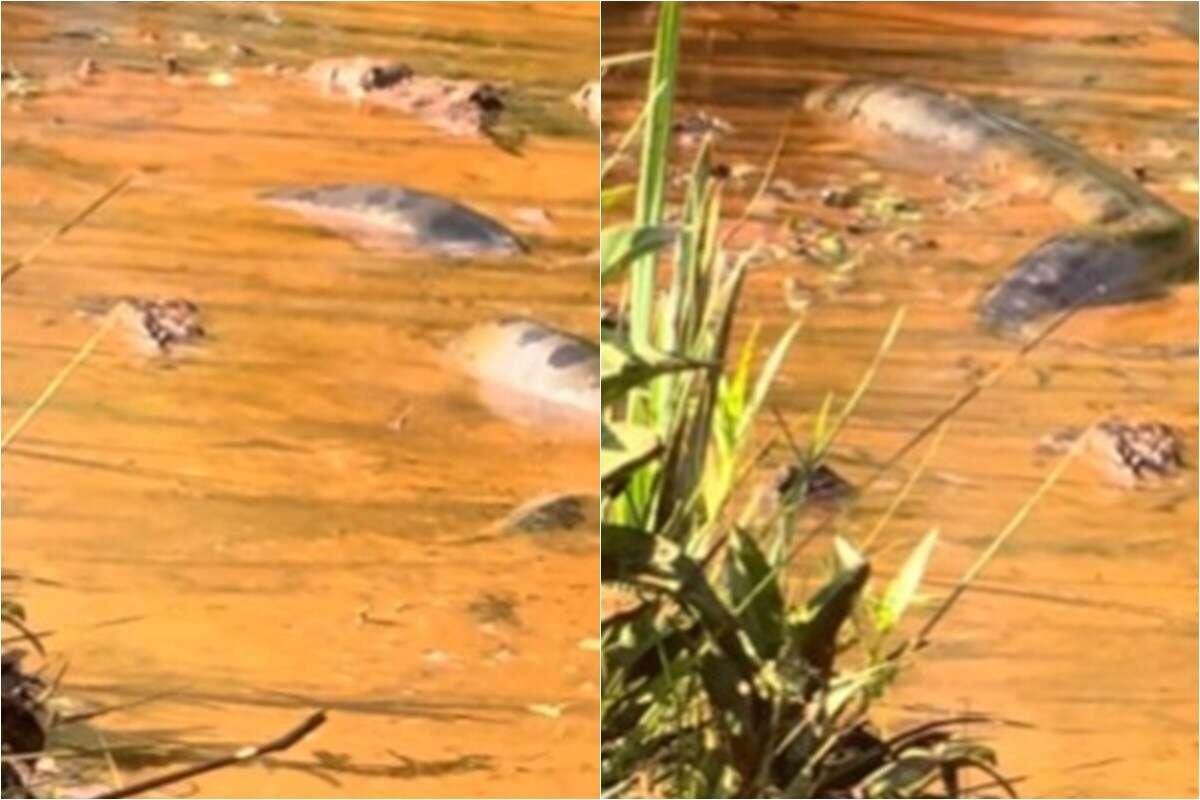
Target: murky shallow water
1084, 628
278, 521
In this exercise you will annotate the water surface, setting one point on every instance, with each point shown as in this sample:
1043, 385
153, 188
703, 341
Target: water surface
280, 520
1083, 631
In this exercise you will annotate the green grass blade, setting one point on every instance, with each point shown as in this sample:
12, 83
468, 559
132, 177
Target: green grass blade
902, 495
652, 182
868, 377
58, 380
1017, 520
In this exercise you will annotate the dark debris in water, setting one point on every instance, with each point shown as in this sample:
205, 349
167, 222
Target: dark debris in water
1135, 452
692, 128
819, 484
560, 513
492, 608
160, 326
457, 107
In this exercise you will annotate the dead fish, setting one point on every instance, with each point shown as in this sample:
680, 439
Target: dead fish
539, 376
457, 107
554, 513
156, 327
1134, 453
1128, 244
521, 358
395, 219
562, 522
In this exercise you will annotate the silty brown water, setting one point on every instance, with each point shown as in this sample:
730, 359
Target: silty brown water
282, 518
1083, 630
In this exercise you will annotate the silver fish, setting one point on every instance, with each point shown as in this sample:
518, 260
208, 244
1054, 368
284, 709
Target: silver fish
397, 219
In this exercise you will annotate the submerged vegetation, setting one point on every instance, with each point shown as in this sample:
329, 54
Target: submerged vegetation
721, 678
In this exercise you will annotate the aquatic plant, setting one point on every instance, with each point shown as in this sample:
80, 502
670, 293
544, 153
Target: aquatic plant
719, 681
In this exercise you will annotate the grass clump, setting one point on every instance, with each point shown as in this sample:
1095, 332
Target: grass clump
719, 681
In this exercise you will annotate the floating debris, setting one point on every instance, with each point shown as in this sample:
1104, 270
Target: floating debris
239, 50
157, 327
786, 190
458, 107
87, 69
819, 484
587, 100
692, 128
796, 296
18, 85
822, 245
1135, 453
838, 197
890, 206
492, 608
909, 242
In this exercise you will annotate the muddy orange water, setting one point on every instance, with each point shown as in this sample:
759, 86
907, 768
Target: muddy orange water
280, 521
1082, 632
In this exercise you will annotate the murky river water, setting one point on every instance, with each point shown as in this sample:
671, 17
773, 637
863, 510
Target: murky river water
1083, 631
277, 522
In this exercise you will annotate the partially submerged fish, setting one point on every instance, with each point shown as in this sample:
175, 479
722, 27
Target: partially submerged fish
541, 376
559, 521
458, 107
1129, 244
397, 219
159, 327
1134, 453
522, 360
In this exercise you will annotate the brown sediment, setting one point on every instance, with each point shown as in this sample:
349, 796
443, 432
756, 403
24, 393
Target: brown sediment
1098, 572
259, 534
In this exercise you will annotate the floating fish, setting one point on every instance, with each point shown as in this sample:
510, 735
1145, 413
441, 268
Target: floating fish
1129, 244
529, 370
395, 219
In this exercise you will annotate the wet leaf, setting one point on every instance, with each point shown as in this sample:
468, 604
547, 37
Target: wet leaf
621, 245
755, 595
625, 553
829, 609
624, 448
902, 589
623, 369
616, 196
